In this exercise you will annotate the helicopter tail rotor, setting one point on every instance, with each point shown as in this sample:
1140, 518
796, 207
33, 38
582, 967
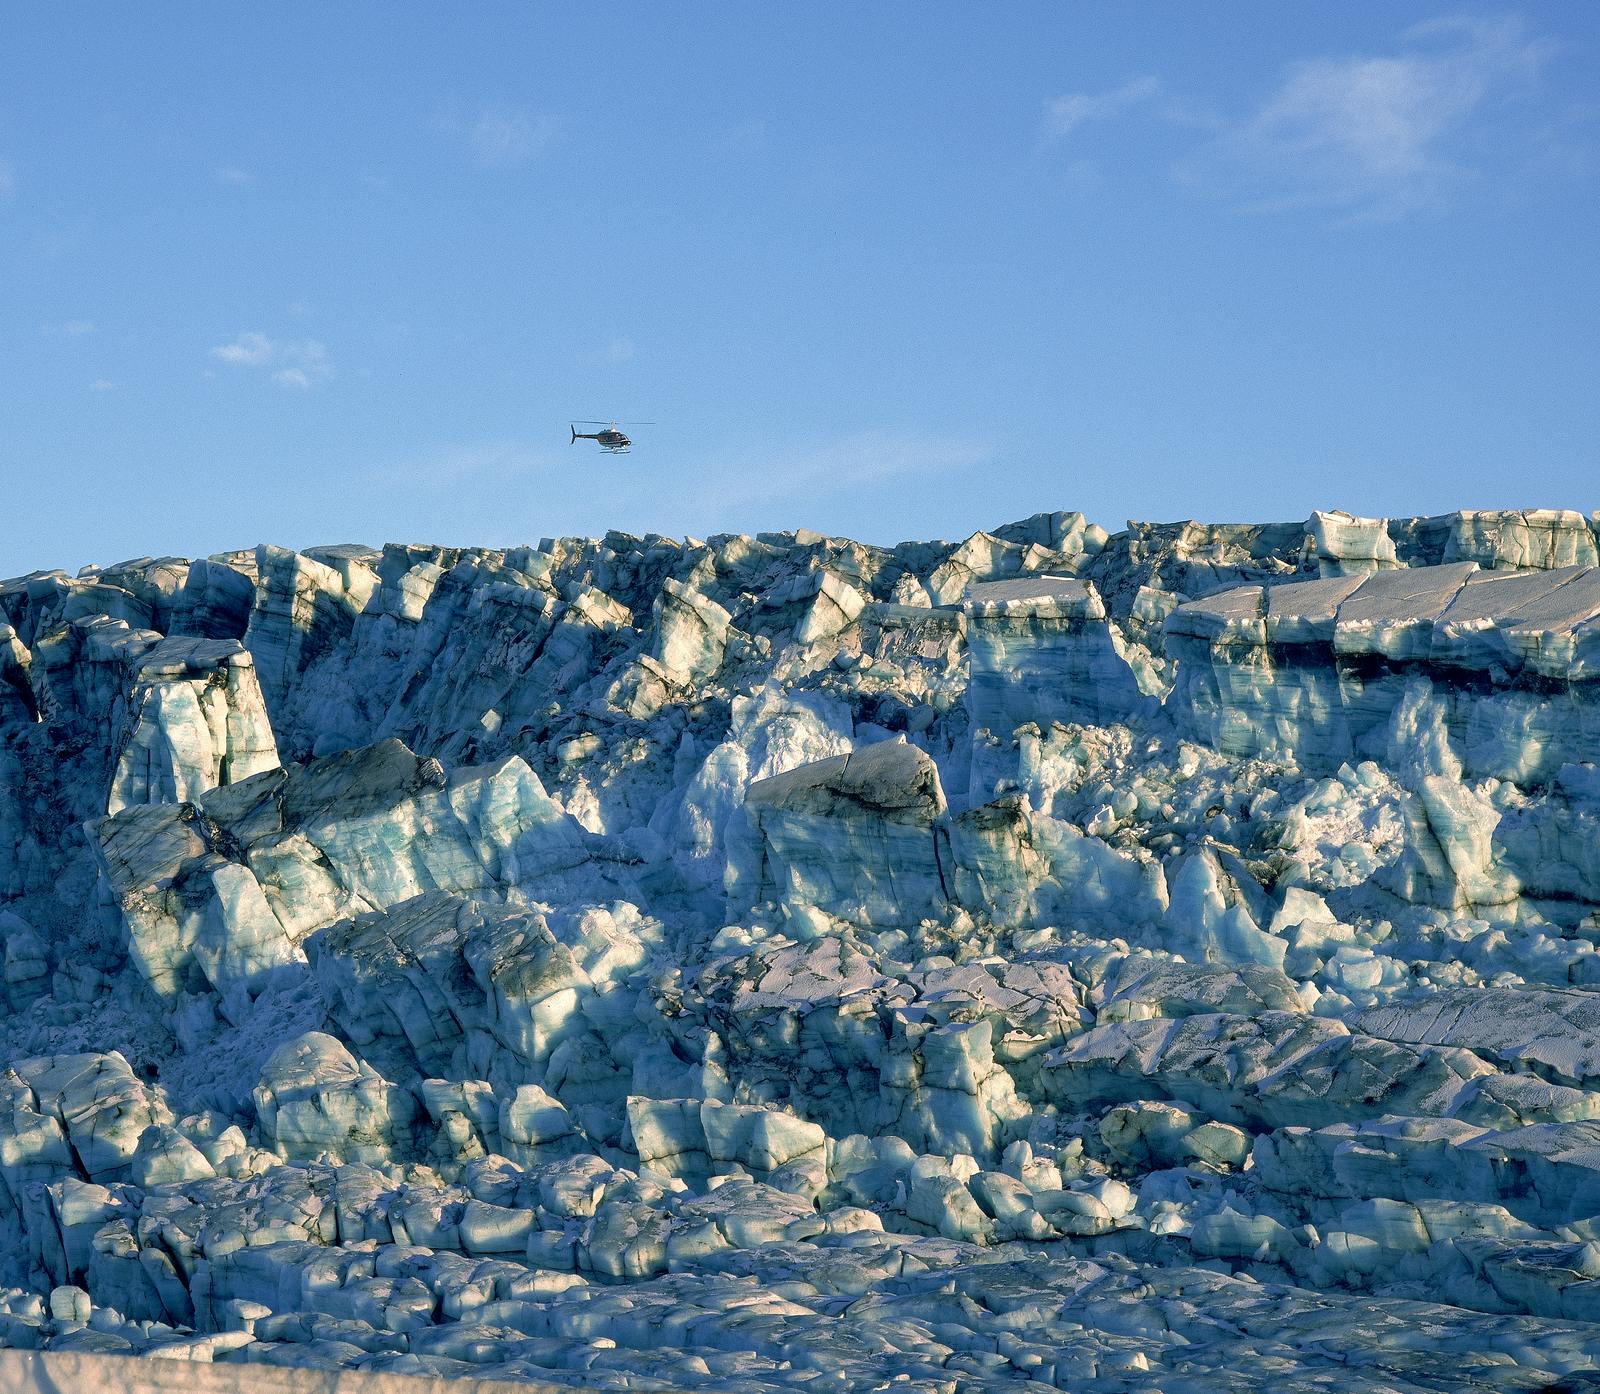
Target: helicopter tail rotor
574, 440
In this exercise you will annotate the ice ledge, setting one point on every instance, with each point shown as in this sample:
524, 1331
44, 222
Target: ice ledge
892, 779
1546, 623
1044, 596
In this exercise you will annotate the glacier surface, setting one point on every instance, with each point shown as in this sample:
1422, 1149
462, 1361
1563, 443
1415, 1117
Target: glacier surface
1161, 960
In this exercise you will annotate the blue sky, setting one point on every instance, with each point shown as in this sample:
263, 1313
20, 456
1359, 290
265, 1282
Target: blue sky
312, 273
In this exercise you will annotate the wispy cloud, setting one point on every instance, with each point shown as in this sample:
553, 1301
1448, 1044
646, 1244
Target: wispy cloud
496, 462
1368, 136
742, 141
621, 349
232, 174
8, 176
1376, 136
774, 472
104, 385
290, 362
499, 134
850, 462
1065, 114
658, 488
69, 329
492, 459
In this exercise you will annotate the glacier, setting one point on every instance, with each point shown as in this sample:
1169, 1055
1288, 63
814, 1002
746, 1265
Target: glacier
1152, 960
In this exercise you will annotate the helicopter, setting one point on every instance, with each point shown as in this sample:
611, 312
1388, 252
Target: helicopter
611, 440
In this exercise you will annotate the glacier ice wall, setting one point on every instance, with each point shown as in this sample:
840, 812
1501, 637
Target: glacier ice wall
1152, 960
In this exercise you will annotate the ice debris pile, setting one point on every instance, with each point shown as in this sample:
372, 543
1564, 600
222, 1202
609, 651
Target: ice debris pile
1160, 960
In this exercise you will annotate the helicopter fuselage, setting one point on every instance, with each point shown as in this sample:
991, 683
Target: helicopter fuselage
611, 439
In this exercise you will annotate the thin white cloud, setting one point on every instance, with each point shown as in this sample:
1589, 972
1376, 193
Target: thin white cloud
853, 461
619, 350
711, 493
1369, 136
775, 473
499, 461
502, 134
232, 174
741, 141
69, 329
1376, 136
104, 385
289, 362
8, 176
1065, 114
495, 459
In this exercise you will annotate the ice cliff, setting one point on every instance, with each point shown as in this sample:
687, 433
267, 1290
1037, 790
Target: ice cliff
1156, 960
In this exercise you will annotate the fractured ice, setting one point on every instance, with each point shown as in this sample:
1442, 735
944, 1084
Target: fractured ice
1160, 960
